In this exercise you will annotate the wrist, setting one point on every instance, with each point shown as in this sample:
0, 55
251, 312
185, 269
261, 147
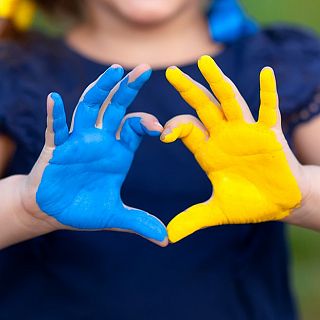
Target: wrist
308, 213
28, 213
20, 217
16, 224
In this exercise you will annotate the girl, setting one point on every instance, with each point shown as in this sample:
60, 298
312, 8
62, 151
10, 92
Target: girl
236, 272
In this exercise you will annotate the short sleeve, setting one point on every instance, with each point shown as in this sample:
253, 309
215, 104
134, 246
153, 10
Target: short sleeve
16, 114
295, 56
29, 70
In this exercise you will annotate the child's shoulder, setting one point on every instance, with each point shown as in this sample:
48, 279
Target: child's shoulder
33, 45
33, 56
24, 61
29, 69
284, 33
294, 53
34, 65
283, 43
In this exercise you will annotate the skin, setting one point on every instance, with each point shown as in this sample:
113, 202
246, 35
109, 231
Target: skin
91, 161
253, 172
243, 174
113, 28
143, 28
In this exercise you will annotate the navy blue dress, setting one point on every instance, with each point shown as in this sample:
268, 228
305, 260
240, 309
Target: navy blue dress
227, 272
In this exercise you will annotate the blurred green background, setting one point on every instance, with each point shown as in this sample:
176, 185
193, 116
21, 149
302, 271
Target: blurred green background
305, 244
305, 12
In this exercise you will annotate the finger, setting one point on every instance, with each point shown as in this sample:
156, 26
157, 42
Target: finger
221, 88
87, 110
269, 113
187, 128
134, 126
196, 96
141, 223
57, 129
193, 219
246, 112
124, 93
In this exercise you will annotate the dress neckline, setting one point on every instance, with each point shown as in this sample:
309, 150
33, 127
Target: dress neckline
185, 66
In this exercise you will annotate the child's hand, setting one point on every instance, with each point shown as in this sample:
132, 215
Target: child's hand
78, 177
254, 174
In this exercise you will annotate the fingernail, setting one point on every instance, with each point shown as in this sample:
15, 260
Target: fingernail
115, 66
164, 134
166, 131
137, 83
54, 96
157, 124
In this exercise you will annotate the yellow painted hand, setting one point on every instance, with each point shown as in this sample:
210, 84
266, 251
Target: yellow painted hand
249, 164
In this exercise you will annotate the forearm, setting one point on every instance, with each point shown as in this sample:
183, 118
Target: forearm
16, 224
308, 214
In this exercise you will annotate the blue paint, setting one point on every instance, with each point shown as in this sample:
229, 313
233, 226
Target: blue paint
60, 127
81, 185
132, 132
89, 105
228, 22
122, 98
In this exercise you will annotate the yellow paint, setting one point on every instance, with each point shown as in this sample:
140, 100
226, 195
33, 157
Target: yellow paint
195, 97
192, 136
7, 8
24, 14
21, 12
245, 163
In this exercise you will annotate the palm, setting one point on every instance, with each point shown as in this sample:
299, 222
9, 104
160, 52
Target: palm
244, 160
83, 171
92, 176
89, 147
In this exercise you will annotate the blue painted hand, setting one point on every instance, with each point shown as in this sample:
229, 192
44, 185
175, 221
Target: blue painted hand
83, 170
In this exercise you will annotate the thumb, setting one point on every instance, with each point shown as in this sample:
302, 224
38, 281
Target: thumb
197, 217
141, 223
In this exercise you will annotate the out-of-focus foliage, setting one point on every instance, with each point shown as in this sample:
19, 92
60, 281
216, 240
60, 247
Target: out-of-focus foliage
299, 12
305, 247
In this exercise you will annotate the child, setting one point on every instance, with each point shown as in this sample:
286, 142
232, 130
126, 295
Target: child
230, 272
